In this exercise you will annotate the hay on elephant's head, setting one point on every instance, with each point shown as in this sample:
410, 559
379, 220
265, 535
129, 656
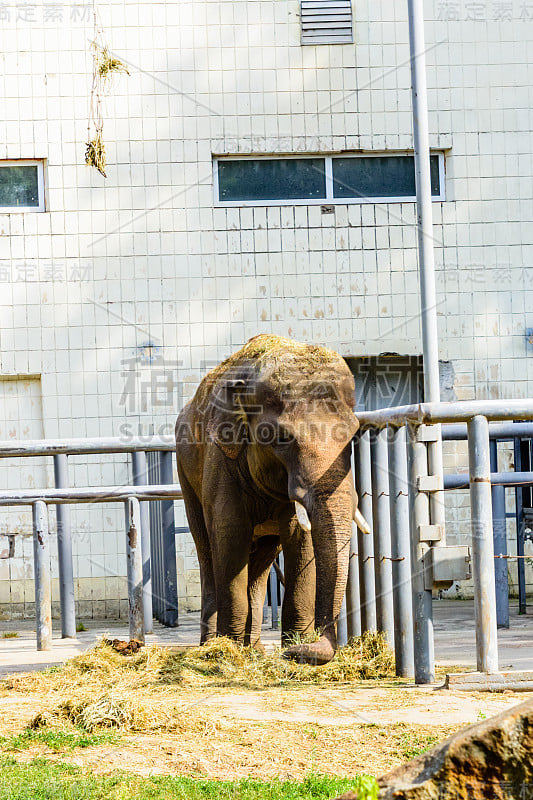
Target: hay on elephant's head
279, 350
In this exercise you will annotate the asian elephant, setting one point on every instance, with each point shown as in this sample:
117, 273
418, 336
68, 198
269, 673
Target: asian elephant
264, 460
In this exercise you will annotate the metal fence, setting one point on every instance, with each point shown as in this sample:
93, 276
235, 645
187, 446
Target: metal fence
398, 567
392, 572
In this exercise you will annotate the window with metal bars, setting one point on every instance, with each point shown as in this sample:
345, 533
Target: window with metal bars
326, 21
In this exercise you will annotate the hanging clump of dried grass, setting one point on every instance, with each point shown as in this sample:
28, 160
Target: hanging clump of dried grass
105, 66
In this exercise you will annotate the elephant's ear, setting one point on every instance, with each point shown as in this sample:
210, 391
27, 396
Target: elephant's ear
226, 424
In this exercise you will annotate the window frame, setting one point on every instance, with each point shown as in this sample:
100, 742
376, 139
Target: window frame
329, 199
28, 162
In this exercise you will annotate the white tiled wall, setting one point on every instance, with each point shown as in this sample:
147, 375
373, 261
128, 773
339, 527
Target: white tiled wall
141, 270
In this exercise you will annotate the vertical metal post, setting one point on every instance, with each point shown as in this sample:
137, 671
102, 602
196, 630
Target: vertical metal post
426, 254
43, 582
342, 627
424, 200
273, 579
401, 556
365, 543
135, 568
519, 499
482, 545
64, 553
382, 535
170, 578
499, 533
424, 650
140, 478
353, 598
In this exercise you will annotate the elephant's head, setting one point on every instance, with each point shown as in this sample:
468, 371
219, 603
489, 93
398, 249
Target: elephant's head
290, 406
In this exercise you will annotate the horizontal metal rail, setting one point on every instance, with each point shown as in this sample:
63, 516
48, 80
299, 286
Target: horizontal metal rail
456, 411
462, 481
116, 444
90, 494
502, 431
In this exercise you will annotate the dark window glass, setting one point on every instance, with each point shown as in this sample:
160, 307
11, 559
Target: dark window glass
380, 176
271, 179
19, 186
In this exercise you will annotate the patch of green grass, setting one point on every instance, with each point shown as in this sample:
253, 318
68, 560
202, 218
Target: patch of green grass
56, 739
10, 635
413, 743
80, 627
41, 780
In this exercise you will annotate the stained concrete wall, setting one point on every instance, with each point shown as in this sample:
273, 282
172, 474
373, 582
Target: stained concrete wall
125, 289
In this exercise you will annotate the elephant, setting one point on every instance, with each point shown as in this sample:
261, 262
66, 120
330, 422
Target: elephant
264, 461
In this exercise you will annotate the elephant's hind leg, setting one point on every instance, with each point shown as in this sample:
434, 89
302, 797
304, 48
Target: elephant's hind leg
263, 554
195, 517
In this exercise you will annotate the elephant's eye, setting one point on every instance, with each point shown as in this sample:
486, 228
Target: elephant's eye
284, 436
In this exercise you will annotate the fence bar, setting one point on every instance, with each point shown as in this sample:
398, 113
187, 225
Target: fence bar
482, 545
424, 649
170, 577
90, 494
342, 626
502, 431
520, 494
431, 413
116, 444
43, 582
140, 478
64, 553
499, 532
365, 542
460, 481
401, 556
135, 568
382, 535
273, 579
353, 598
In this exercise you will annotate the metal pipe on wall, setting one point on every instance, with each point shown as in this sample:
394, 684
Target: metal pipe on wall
365, 542
382, 535
43, 581
64, 553
140, 478
424, 649
134, 568
401, 555
482, 545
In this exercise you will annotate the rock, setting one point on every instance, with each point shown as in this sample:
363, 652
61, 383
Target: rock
489, 761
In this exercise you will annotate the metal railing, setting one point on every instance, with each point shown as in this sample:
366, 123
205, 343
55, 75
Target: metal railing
406, 557
136, 524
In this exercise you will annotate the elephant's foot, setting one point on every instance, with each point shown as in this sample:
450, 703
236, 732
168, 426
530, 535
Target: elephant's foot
316, 653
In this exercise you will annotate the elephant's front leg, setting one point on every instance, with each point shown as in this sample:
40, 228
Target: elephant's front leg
298, 612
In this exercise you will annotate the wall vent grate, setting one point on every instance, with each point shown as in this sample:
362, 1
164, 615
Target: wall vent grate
326, 21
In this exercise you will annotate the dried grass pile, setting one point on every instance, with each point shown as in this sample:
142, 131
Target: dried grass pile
157, 689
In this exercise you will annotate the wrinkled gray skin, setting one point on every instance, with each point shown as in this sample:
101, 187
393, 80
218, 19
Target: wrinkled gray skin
270, 427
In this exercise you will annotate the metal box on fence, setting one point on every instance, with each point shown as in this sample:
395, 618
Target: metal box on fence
444, 565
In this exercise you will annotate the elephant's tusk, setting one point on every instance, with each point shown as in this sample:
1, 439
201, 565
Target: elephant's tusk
303, 517
360, 521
